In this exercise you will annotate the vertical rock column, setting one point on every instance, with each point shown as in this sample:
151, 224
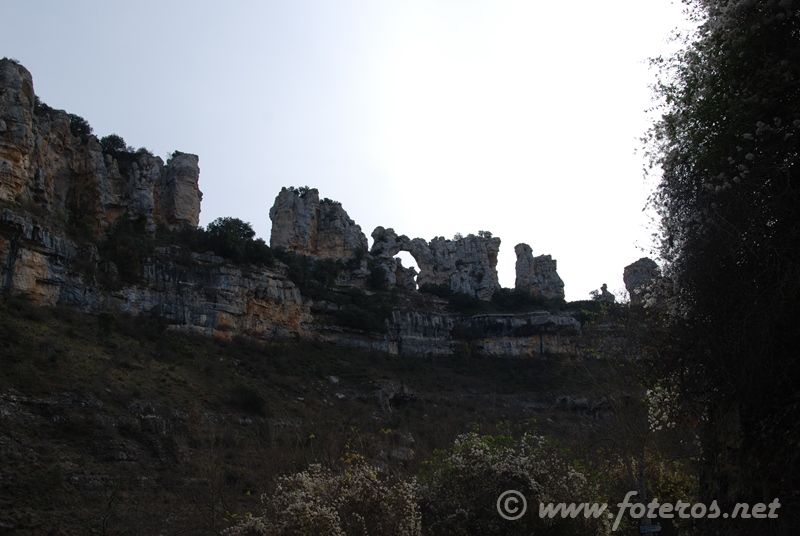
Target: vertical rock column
537, 276
180, 194
16, 128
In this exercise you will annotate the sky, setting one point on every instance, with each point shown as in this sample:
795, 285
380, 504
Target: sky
432, 117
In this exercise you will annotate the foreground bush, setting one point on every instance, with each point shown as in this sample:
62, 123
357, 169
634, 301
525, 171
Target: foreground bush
318, 501
459, 490
457, 494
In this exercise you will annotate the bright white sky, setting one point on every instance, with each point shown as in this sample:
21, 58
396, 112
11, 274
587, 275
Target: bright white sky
432, 117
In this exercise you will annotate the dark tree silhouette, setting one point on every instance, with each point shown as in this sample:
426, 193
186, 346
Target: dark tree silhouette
728, 144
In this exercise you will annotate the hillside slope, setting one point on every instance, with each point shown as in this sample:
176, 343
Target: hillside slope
112, 425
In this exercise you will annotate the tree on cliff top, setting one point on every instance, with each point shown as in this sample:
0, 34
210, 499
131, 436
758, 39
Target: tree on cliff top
728, 144
235, 239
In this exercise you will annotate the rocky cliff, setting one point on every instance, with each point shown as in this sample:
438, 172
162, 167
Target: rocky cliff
467, 265
304, 224
64, 196
50, 163
537, 276
639, 277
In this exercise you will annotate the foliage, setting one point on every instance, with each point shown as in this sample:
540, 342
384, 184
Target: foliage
515, 300
442, 291
79, 127
358, 500
227, 237
313, 276
728, 144
113, 143
458, 302
376, 280
127, 245
40, 107
503, 300
247, 399
459, 487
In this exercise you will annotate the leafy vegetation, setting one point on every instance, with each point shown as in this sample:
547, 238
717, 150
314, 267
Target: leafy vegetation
503, 300
114, 143
227, 237
114, 406
79, 127
128, 245
728, 145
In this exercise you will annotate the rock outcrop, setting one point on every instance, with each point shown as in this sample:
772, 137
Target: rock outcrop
180, 196
496, 335
50, 161
638, 278
62, 191
200, 293
16, 128
604, 295
537, 275
304, 224
467, 265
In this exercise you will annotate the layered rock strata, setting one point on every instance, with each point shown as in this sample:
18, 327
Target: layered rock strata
61, 192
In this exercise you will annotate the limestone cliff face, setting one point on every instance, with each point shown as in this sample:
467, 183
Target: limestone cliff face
192, 292
638, 278
304, 224
61, 193
493, 335
178, 192
210, 296
467, 265
537, 275
49, 161
16, 128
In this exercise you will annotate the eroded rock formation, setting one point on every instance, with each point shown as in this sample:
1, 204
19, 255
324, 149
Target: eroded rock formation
50, 160
180, 195
537, 275
304, 224
206, 295
467, 265
638, 278
60, 192
605, 296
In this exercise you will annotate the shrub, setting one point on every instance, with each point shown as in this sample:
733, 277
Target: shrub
79, 127
113, 143
227, 237
358, 500
313, 277
40, 107
377, 277
466, 304
127, 245
442, 291
247, 399
460, 486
